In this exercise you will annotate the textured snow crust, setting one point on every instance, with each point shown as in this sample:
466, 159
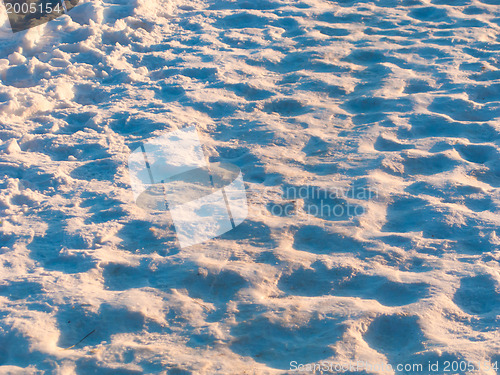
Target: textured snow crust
390, 106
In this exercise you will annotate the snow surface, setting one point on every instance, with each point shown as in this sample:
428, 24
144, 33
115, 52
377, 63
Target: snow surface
396, 97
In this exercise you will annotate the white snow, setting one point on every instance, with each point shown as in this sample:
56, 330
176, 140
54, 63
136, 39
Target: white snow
392, 104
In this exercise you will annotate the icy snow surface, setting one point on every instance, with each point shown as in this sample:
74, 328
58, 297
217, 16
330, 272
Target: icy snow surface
400, 98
